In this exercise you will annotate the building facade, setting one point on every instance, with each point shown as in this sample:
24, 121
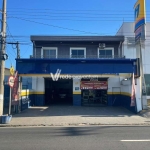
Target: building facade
80, 71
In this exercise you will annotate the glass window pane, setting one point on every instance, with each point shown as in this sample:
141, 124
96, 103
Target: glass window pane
80, 53
74, 54
101, 53
109, 52
147, 82
49, 53
52, 53
45, 53
77, 53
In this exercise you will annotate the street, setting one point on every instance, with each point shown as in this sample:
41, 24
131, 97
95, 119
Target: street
76, 138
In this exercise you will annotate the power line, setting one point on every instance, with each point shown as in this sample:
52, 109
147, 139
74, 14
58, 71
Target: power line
12, 38
10, 55
9, 31
87, 10
25, 51
69, 16
72, 14
55, 26
73, 19
52, 13
59, 19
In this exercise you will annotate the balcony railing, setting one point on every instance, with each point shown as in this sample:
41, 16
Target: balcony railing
79, 57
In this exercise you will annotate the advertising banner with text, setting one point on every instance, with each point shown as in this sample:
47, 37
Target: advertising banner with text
93, 85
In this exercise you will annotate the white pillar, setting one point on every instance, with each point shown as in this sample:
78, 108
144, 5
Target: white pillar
138, 95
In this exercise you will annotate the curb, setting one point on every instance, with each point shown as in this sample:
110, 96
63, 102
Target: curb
80, 124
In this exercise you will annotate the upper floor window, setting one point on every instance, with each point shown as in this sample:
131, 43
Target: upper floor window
49, 52
106, 53
77, 52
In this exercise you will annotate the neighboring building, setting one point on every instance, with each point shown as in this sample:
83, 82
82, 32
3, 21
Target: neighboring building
59, 57
7, 72
129, 49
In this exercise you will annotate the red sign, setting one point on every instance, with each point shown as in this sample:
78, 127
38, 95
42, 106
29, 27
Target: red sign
133, 98
93, 85
11, 81
15, 90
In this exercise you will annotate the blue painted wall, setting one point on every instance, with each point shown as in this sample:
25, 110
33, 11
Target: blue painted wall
76, 66
37, 100
120, 100
125, 102
113, 100
76, 99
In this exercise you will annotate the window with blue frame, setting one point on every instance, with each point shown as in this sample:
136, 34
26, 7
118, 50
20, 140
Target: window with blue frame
77, 53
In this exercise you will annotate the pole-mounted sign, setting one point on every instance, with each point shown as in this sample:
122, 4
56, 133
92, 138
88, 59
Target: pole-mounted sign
140, 20
11, 81
12, 71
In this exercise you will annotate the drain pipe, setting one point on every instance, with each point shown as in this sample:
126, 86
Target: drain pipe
119, 49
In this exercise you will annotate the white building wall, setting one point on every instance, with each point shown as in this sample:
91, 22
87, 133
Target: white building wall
146, 51
127, 29
129, 50
127, 89
113, 82
38, 84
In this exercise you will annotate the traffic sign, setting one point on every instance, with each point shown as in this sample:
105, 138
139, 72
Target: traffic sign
11, 81
12, 70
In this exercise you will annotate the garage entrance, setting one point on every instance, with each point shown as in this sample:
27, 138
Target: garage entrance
58, 92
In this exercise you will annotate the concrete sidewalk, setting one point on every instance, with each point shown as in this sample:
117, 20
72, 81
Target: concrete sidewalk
75, 115
145, 113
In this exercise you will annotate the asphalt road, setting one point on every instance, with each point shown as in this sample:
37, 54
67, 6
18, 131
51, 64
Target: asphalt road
75, 138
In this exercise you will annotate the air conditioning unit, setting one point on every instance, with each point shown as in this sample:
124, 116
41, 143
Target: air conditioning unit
102, 45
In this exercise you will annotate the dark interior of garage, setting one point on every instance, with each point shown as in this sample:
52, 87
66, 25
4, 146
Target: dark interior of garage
58, 92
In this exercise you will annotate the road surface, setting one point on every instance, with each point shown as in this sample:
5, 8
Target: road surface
75, 138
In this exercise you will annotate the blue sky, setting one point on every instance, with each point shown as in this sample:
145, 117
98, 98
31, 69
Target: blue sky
63, 17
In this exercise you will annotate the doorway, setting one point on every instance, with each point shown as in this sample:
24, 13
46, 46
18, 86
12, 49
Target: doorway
94, 97
58, 92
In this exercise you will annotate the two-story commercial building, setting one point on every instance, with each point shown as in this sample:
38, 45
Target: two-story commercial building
80, 71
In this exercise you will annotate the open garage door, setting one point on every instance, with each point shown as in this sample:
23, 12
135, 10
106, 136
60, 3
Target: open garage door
58, 92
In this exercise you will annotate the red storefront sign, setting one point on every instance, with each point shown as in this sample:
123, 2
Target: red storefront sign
15, 90
93, 85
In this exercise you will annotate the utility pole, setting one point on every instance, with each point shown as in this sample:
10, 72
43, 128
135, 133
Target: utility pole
18, 51
2, 61
17, 46
143, 84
